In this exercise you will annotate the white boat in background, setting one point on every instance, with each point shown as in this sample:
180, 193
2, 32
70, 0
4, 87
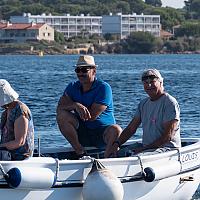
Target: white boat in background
54, 175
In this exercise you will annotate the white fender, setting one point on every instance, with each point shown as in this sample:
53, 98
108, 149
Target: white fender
102, 184
30, 178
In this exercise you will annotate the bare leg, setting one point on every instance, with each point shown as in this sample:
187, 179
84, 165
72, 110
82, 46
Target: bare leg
67, 124
111, 134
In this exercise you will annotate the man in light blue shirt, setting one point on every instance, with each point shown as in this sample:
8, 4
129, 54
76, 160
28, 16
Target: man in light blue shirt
85, 111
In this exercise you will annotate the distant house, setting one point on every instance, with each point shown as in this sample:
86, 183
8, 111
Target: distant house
165, 35
20, 32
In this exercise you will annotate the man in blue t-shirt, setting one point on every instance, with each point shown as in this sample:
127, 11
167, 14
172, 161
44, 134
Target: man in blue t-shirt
85, 111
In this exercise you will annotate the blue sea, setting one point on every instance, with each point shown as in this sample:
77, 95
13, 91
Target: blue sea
40, 81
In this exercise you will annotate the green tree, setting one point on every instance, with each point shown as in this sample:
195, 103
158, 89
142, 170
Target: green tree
174, 46
59, 37
137, 6
188, 29
169, 16
123, 7
140, 42
35, 9
195, 8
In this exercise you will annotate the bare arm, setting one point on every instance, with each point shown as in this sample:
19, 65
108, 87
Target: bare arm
20, 130
96, 110
125, 135
66, 103
129, 130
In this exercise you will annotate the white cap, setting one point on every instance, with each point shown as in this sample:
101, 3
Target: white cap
152, 72
7, 93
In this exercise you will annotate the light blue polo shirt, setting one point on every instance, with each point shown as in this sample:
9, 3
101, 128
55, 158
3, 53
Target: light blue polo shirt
100, 93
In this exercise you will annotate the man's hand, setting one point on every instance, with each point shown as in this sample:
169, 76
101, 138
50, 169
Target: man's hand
83, 112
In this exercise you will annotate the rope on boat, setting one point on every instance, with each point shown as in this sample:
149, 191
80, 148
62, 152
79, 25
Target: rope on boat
58, 182
5, 175
57, 168
179, 159
39, 153
141, 164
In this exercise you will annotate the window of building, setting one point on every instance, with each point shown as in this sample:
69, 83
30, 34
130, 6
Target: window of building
56, 21
147, 19
125, 20
148, 27
49, 21
32, 34
140, 19
140, 27
87, 21
72, 21
155, 20
72, 28
132, 19
64, 21
80, 21
88, 28
64, 28
133, 27
40, 20
79, 28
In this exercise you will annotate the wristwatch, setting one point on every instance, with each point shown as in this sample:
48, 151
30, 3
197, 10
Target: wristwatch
117, 142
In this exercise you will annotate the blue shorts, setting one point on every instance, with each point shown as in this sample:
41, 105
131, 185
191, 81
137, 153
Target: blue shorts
91, 137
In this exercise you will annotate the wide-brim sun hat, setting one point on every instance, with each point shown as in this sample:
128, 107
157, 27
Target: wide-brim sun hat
7, 93
85, 61
152, 72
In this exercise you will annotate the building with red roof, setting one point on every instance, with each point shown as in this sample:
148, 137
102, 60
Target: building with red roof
21, 32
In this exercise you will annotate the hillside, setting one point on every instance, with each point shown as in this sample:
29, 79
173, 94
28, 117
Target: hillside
74, 7
169, 16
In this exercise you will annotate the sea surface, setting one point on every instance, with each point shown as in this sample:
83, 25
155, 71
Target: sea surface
40, 81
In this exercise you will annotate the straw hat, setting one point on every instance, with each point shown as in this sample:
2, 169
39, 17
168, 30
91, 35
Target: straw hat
7, 93
85, 61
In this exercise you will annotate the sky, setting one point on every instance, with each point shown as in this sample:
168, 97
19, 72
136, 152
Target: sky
173, 3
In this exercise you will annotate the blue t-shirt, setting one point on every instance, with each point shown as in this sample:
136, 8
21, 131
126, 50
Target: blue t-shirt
100, 93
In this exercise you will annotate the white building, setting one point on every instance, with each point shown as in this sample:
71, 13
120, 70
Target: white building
125, 24
79, 25
68, 25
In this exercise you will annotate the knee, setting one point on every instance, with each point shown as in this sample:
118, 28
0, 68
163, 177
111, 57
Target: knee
65, 118
60, 117
115, 130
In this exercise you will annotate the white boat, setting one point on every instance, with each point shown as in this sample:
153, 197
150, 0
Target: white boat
53, 176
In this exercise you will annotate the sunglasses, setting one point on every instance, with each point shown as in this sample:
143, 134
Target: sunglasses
147, 79
82, 69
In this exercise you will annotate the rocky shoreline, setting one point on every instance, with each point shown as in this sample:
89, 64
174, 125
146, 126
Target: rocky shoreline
60, 50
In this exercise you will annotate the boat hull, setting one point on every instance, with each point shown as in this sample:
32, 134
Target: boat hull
169, 188
176, 176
